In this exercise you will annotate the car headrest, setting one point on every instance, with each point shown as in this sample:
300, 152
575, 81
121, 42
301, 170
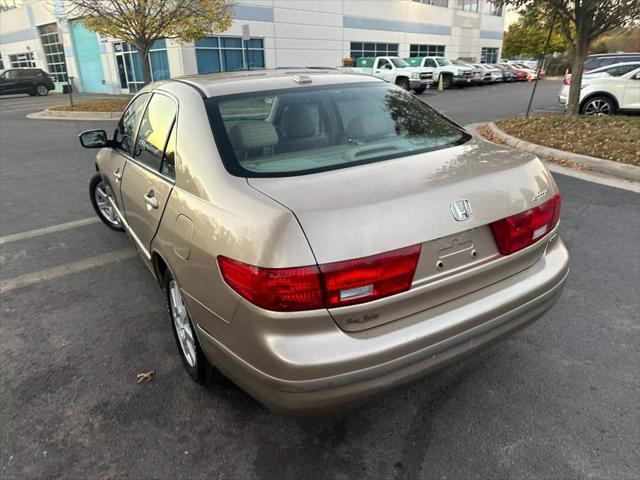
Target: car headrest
368, 127
299, 121
252, 134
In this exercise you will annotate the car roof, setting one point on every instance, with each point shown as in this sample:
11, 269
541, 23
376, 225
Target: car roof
619, 54
613, 65
229, 83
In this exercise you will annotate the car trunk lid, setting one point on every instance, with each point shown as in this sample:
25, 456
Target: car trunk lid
369, 209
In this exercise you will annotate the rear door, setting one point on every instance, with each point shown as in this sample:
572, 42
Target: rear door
112, 161
8, 81
147, 181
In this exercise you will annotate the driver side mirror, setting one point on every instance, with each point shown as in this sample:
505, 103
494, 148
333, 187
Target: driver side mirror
636, 76
387, 66
94, 139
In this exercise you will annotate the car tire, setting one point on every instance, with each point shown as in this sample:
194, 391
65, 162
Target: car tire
598, 106
420, 89
193, 358
403, 83
41, 90
98, 195
446, 82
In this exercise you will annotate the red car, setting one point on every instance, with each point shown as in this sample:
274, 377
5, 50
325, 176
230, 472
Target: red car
520, 74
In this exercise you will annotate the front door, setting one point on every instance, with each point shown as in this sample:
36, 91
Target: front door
146, 186
112, 161
631, 95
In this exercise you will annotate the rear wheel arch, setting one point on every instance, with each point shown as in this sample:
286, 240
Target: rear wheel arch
593, 95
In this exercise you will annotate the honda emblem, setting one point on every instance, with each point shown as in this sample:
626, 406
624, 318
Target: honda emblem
461, 210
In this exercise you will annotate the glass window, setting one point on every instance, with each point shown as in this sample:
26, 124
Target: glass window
227, 54
622, 69
437, 3
10, 75
489, 55
491, 8
168, 167
53, 52
126, 130
154, 130
294, 132
22, 60
359, 49
420, 50
208, 61
468, 5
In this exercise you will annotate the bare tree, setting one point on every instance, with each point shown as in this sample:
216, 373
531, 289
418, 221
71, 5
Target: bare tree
142, 22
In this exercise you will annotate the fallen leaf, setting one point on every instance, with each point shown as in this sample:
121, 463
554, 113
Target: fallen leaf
145, 376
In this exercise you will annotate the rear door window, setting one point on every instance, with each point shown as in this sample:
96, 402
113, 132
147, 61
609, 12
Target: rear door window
154, 130
622, 69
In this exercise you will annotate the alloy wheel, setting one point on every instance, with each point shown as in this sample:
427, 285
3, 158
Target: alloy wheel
598, 108
182, 324
104, 207
41, 90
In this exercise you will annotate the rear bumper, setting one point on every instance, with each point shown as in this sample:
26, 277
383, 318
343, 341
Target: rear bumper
495, 311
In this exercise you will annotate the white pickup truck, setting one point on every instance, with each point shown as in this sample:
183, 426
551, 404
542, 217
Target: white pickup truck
393, 70
443, 67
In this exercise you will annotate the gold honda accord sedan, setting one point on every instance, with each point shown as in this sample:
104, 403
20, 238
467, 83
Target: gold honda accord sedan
324, 237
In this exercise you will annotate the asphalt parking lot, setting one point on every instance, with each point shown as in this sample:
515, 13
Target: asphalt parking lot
81, 316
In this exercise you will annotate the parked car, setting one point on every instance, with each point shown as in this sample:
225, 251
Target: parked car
600, 60
451, 73
284, 217
33, 81
607, 90
476, 73
393, 70
489, 74
605, 59
508, 75
520, 75
532, 73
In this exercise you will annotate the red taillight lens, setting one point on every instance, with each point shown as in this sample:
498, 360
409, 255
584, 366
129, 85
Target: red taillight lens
567, 79
330, 285
280, 289
364, 279
523, 229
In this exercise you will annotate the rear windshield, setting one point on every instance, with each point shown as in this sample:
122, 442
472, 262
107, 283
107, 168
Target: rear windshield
311, 129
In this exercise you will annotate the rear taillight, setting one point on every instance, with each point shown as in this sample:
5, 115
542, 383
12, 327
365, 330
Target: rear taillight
329, 285
567, 79
364, 279
523, 229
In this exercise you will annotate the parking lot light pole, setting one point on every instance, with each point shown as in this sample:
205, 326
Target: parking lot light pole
539, 65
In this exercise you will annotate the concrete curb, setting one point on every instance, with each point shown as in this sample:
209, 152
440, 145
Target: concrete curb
600, 165
64, 115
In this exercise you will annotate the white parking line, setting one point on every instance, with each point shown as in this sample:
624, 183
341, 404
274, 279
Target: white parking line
66, 269
45, 230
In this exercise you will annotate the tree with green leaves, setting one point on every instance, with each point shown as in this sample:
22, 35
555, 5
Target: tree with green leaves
142, 22
525, 38
580, 22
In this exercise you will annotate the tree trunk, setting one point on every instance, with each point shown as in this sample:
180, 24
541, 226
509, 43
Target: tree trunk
577, 64
146, 64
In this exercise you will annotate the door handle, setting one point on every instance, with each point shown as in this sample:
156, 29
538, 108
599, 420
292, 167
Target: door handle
151, 200
118, 174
